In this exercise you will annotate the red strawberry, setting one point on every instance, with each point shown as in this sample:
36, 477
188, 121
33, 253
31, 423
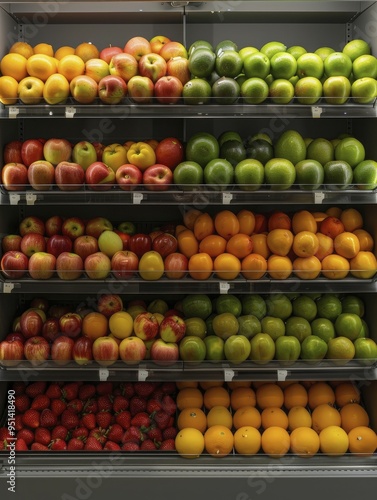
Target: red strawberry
69, 419
75, 405
58, 406
123, 418
120, 403
59, 432
132, 435
48, 418
39, 447
111, 446
137, 405
80, 432
58, 445
19, 387
90, 406
155, 433
169, 433
105, 403
104, 388
27, 435
31, 418
169, 405
162, 419
18, 424
141, 420
104, 419
22, 403
75, 444
35, 388
40, 402
88, 420
148, 445
130, 447
70, 391
87, 391
99, 434
21, 445
144, 389
153, 405
167, 445
42, 436
92, 444
4, 433
158, 394
54, 391
115, 433
171, 422
127, 389
169, 387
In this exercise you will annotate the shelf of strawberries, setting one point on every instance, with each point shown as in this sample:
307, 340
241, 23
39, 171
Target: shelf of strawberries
330, 422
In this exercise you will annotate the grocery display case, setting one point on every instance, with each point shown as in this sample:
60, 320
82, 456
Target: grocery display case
307, 23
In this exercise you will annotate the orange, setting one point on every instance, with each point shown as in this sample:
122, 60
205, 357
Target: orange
246, 219
275, 442
347, 244
14, 65
227, 266
298, 416
303, 221
218, 441
238, 383
187, 243
203, 226
331, 226
279, 220
363, 265
324, 415
189, 443
86, 51
153, 143
352, 219
280, 241
260, 223
242, 396
23, 48
216, 396
295, 395
274, 417
182, 384
200, 266
41, 66
213, 244
240, 245
192, 417
8, 90
71, 66
334, 212
304, 442
333, 441
260, 245
189, 397
365, 239
278, 267
305, 244
362, 441
269, 395
45, 49
335, 267
219, 415
326, 246
190, 216
226, 224
65, 50
346, 392
94, 325
320, 393
307, 268
253, 266
247, 415
353, 415
247, 440
319, 216
178, 229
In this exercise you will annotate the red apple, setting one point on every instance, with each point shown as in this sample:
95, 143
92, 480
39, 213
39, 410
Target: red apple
137, 46
57, 244
14, 264
57, 150
164, 351
97, 266
157, 177
146, 326
96, 68
97, 225
99, 147
70, 324
170, 152
12, 152
11, 242
41, 175
155, 233
108, 52
132, 350
172, 328
82, 350
31, 224
42, 265
69, 266
124, 237
53, 225
124, 264
173, 49
57, 310
50, 329
73, 227
15, 336
105, 351
69, 176
157, 42
112, 89
140, 89
165, 244
33, 242
168, 90
127, 227
128, 177
178, 67
40, 303
31, 151
109, 303
62, 350
140, 243
99, 177
153, 66
124, 66
31, 324
83, 89
176, 265
11, 350
14, 176
37, 350
114, 155
85, 245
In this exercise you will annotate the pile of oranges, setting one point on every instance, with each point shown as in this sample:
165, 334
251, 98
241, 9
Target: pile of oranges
305, 244
274, 418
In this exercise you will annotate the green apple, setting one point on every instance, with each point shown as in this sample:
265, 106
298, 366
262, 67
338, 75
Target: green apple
237, 348
84, 154
279, 305
214, 348
109, 243
298, 327
366, 350
192, 348
313, 348
188, 175
287, 349
254, 304
262, 348
249, 174
218, 174
275, 327
249, 325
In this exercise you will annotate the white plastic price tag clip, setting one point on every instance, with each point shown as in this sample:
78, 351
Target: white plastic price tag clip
282, 375
13, 111
14, 198
103, 374
316, 112
227, 198
319, 196
70, 112
224, 287
137, 198
142, 375
8, 287
228, 375
30, 198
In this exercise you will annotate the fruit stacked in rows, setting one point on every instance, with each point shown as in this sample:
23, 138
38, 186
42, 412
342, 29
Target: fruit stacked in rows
99, 416
276, 418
